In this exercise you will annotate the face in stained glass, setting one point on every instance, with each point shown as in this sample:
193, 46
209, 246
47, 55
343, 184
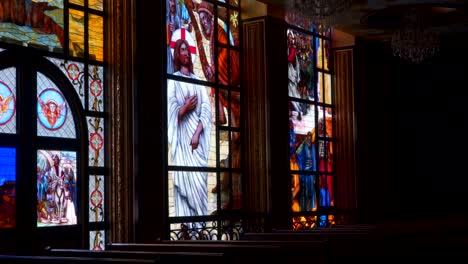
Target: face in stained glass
7, 104
51, 109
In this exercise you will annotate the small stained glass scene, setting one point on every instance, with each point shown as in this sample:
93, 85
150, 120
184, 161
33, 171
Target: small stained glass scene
7, 188
195, 25
57, 198
54, 118
191, 193
301, 79
8, 101
33, 23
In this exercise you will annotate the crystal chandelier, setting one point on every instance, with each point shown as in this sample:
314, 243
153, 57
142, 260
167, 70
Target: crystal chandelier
323, 13
413, 42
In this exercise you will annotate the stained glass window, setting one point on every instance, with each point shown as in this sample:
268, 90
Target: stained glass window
203, 110
53, 120
311, 119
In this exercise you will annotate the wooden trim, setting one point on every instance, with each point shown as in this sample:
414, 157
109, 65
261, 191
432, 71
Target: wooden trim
256, 181
120, 36
345, 191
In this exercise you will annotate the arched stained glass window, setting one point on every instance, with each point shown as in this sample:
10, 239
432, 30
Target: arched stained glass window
53, 154
204, 172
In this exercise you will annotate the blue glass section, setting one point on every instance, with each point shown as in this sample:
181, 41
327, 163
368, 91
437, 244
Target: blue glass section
7, 165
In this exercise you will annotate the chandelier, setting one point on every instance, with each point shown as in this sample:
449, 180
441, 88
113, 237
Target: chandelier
322, 13
414, 42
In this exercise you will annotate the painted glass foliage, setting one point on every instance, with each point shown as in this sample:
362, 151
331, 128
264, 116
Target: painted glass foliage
97, 240
8, 101
75, 73
96, 141
96, 37
96, 198
7, 188
54, 118
96, 88
203, 109
57, 199
29, 23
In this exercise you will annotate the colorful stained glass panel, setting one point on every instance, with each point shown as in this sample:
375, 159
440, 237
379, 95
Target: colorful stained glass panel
96, 37
96, 198
326, 191
325, 125
76, 33
96, 141
96, 88
190, 112
97, 240
96, 4
224, 148
8, 101
37, 24
303, 120
200, 37
54, 118
234, 3
57, 195
8, 187
235, 112
304, 196
191, 193
325, 155
234, 26
77, 2
223, 22
75, 73
319, 49
223, 111
231, 190
301, 79
327, 88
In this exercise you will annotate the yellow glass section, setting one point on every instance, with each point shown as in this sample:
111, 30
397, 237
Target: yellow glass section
320, 53
96, 37
328, 88
95, 4
76, 35
77, 2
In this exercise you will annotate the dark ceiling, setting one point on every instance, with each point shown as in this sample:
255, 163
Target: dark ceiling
378, 19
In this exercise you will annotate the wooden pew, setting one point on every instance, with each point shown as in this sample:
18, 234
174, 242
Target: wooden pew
11, 259
234, 253
160, 257
292, 251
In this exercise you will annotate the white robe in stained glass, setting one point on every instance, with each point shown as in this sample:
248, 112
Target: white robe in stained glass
190, 188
